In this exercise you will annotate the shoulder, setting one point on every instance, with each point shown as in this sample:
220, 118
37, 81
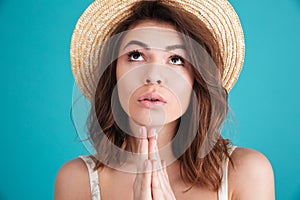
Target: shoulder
251, 176
72, 181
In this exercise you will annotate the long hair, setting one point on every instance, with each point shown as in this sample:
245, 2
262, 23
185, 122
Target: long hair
206, 112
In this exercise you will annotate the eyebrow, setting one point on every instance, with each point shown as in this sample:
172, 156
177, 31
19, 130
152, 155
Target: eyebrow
145, 46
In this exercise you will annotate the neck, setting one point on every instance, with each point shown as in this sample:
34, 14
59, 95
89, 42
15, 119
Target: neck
165, 134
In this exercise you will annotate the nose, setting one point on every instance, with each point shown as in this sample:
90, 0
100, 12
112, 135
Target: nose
155, 68
153, 75
148, 81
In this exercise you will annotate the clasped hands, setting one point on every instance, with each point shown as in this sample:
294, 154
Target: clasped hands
152, 181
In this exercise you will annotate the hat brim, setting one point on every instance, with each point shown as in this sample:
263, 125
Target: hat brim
100, 17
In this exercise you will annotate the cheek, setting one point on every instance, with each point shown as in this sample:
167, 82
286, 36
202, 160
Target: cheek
128, 81
125, 90
188, 89
183, 98
182, 88
119, 70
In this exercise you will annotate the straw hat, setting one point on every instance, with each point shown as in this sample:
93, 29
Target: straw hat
101, 16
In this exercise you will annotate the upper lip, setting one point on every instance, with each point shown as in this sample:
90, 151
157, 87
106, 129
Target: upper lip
152, 95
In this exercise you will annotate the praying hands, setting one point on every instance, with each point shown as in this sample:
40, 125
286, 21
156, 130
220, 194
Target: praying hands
152, 181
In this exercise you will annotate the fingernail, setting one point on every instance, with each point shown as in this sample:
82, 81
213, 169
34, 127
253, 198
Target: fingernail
140, 132
156, 165
154, 133
147, 165
163, 163
154, 142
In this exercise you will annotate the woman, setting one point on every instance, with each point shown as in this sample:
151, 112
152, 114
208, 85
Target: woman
157, 74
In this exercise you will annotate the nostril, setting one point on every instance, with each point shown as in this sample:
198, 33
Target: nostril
148, 81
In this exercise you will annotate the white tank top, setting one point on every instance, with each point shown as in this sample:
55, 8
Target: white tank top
95, 189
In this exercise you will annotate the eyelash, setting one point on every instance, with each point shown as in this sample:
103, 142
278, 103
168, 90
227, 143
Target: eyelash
179, 57
129, 54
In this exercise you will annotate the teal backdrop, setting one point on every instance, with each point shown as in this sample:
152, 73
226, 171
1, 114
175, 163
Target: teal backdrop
37, 135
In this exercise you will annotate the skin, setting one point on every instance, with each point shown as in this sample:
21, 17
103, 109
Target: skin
158, 64
250, 178
153, 59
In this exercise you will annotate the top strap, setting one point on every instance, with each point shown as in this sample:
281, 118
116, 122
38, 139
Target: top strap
223, 191
95, 189
93, 175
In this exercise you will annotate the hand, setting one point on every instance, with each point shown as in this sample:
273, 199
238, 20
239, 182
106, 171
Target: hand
160, 184
152, 181
142, 183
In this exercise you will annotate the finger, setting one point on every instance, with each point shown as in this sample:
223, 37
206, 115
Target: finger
153, 149
142, 149
146, 179
143, 132
142, 183
161, 176
153, 152
152, 133
156, 183
164, 167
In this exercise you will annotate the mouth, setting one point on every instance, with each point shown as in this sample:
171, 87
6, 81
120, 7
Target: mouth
150, 100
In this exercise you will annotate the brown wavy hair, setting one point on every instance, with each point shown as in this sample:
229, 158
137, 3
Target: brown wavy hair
205, 115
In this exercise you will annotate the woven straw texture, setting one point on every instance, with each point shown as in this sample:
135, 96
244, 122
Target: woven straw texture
101, 16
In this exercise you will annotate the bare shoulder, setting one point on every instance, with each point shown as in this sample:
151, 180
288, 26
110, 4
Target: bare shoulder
251, 176
72, 181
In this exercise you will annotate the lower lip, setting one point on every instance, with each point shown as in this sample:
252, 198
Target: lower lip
151, 104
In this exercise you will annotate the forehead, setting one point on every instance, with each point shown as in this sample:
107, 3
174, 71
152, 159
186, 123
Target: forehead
155, 34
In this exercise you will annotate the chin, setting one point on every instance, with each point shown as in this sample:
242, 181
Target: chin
148, 121
152, 120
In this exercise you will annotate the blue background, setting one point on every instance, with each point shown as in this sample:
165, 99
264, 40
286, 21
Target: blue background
37, 136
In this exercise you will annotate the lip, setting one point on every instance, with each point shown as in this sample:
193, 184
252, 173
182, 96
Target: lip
145, 101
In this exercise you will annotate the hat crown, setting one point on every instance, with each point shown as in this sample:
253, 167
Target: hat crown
94, 25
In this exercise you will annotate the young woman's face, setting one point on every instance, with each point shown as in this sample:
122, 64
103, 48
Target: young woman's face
154, 79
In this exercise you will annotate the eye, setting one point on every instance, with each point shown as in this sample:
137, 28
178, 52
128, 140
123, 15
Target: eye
135, 56
177, 60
